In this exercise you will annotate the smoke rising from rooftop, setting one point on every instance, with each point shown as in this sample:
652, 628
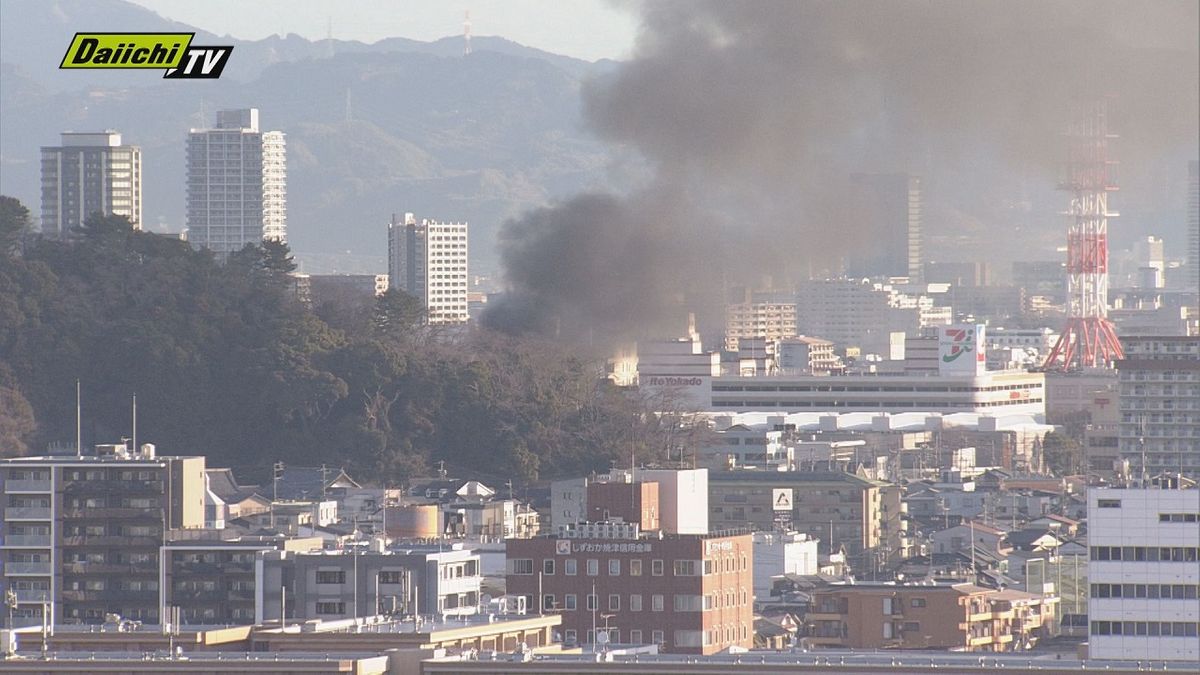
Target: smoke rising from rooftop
753, 115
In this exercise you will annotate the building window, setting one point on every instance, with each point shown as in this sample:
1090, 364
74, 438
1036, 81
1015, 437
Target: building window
331, 608
1108, 503
593, 567
656, 568
591, 602
635, 603
635, 637
391, 577
614, 603
614, 567
635, 568
657, 637
548, 602
656, 603
685, 568
522, 566
331, 577
570, 567
570, 602
918, 602
548, 567
570, 636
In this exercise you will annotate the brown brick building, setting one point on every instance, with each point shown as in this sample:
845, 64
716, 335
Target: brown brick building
688, 593
628, 502
959, 616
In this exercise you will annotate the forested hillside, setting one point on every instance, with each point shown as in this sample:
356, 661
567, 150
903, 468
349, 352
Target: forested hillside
225, 362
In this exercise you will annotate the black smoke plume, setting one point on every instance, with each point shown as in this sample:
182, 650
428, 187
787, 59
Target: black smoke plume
753, 115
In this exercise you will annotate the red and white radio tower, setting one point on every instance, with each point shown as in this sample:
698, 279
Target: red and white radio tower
1088, 340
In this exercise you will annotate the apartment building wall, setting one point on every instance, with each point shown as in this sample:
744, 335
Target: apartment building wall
90, 173
1144, 573
344, 584
628, 502
962, 617
837, 508
236, 183
691, 594
1159, 395
85, 532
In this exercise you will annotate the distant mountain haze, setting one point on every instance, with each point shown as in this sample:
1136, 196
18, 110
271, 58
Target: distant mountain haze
403, 125
398, 125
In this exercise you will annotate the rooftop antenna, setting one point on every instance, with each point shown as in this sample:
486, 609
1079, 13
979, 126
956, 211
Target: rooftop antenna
467, 33
135, 445
329, 37
78, 421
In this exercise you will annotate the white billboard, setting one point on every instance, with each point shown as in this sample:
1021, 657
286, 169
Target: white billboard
781, 499
962, 349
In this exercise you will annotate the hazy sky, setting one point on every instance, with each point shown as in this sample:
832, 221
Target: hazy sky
588, 29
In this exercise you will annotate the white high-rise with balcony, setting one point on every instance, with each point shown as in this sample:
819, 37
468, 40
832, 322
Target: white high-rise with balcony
428, 260
237, 183
1144, 572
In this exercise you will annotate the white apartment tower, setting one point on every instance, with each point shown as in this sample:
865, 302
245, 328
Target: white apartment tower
90, 173
1144, 572
237, 183
428, 260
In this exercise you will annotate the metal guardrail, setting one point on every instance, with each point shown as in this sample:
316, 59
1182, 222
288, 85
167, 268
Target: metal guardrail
28, 486
42, 540
27, 512
27, 568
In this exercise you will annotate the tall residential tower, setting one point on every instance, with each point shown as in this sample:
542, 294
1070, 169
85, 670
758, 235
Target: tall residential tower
236, 183
428, 260
90, 173
890, 205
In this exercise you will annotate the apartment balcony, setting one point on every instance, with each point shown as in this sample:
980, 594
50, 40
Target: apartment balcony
213, 595
110, 595
27, 513
123, 568
27, 596
121, 487
32, 568
25, 486
111, 513
981, 640
26, 541
113, 540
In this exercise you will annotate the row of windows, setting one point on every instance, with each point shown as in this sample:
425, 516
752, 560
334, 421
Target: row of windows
680, 603
570, 636
680, 568
1178, 517
1146, 553
1150, 628
1168, 591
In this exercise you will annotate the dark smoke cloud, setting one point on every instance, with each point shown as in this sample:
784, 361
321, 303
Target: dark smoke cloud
753, 115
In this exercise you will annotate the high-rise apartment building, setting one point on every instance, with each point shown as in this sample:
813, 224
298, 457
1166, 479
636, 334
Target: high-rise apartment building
82, 534
889, 244
1144, 572
236, 183
428, 260
90, 173
1159, 390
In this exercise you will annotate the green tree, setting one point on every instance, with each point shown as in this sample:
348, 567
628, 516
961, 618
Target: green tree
14, 224
1063, 454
